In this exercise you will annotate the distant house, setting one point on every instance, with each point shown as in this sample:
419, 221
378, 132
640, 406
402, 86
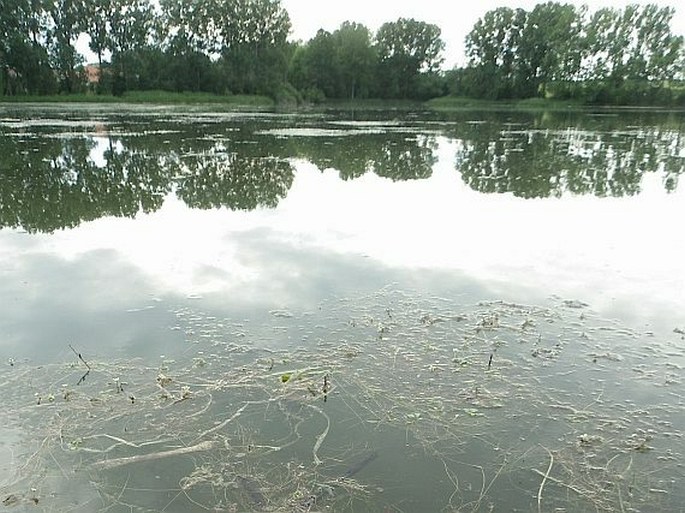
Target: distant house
93, 73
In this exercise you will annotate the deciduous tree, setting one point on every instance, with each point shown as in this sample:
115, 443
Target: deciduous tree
406, 48
355, 58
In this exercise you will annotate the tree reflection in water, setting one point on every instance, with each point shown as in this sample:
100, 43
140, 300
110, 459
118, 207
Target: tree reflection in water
51, 180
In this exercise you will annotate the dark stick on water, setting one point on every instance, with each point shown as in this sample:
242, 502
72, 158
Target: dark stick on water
83, 378
326, 387
351, 471
490, 362
79, 356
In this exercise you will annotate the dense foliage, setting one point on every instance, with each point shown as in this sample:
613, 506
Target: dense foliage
556, 50
624, 55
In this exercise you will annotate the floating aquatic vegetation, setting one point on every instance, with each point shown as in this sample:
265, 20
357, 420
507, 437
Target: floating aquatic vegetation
319, 132
389, 402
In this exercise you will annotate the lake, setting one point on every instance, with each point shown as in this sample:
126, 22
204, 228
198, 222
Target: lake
392, 311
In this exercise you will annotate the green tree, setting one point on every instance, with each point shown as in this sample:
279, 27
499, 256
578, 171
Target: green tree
252, 36
192, 25
188, 69
337, 65
491, 47
97, 26
635, 43
28, 69
406, 48
613, 56
67, 17
355, 59
549, 48
190, 41
24, 62
13, 18
313, 68
132, 25
133, 29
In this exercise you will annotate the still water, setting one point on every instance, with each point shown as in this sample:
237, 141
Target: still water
341, 311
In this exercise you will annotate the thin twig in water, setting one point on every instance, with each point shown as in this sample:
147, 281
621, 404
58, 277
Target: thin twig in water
118, 462
485, 487
79, 356
544, 479
454, 479
119, 443
227, 421
322, 436
620, 498
565, 485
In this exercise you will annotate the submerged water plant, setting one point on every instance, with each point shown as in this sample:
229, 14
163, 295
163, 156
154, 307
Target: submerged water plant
506, 406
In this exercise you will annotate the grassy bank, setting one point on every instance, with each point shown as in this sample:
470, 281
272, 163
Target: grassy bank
368, 104
460, 103
231, 101
447, 103
149, 97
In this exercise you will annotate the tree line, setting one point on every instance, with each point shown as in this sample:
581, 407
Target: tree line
627, 55
241, 47
216, 46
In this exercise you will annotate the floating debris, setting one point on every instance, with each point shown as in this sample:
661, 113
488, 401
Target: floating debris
574, 303
232, 427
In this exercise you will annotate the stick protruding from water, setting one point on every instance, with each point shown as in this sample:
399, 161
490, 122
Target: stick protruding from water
83, 378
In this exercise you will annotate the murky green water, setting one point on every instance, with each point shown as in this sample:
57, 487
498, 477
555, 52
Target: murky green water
371, 311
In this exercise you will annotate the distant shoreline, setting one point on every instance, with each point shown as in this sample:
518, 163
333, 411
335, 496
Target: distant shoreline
445, 103
147, 97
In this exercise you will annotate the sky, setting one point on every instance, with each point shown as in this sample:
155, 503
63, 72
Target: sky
455, 19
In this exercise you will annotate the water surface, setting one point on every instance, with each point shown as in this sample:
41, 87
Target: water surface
369, 311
